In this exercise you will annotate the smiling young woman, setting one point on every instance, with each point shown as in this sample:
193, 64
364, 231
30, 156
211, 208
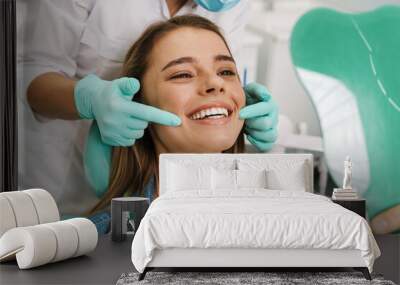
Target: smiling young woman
185, 67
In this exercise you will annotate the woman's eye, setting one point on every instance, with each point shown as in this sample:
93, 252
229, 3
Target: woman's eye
181, 75
227, 72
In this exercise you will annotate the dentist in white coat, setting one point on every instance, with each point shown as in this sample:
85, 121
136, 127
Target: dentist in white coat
73, 53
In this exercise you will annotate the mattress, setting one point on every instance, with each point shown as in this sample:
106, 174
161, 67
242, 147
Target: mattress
250, 218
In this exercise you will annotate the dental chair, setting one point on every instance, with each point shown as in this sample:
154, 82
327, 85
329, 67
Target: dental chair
349, 65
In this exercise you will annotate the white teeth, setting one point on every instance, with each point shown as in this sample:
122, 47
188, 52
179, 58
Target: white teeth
218, 116
216, 112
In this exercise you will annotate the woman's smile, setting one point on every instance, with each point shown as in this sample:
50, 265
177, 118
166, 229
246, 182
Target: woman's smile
212, 113
219, 120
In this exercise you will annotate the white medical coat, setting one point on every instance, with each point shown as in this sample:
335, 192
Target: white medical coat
75, 38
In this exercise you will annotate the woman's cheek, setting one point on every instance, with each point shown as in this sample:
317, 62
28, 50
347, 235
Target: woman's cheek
172, 98
239, 97
174, 139
240, 100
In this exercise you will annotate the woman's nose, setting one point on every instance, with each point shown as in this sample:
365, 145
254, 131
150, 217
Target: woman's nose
214, 85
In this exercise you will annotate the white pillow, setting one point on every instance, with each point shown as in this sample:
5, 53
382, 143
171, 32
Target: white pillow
181, 177
228, 179
251, 178
223, 179
282, 173
290, 179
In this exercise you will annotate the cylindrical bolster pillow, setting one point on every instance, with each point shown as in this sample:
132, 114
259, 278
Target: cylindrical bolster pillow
33, 246
41, 244
67, 240
7, 218
26, 208
87, 235
45, 205
23, 208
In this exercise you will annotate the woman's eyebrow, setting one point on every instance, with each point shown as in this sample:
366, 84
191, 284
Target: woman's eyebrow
181, 60
188, 59
222, 57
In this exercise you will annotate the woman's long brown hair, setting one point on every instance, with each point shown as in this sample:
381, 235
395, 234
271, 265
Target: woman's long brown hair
133, 167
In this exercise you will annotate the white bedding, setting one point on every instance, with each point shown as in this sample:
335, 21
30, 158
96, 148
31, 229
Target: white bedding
251, 218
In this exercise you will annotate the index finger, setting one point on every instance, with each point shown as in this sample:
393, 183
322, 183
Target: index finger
257, 91
151, 114
257, 110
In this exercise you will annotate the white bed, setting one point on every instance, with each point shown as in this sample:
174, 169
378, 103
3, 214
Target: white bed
200, 223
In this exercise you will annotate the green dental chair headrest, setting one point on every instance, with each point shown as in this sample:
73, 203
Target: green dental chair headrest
350, 66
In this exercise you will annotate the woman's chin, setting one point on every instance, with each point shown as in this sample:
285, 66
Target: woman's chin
212, 145
212, 139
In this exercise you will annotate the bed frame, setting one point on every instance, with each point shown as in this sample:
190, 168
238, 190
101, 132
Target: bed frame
250, 258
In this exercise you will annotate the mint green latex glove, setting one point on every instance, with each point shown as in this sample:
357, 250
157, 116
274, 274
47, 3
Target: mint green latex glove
97, 161
120, 120
261, 117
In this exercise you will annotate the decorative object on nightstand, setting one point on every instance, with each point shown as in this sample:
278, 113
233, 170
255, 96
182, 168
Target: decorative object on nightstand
346, 196
127, 212
346, 192
355, 205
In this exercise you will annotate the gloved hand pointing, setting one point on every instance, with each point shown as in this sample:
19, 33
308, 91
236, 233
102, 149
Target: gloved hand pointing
120, 120
261, 117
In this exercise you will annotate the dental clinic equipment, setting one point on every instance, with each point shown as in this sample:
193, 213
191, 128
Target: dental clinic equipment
31, 231
352, 94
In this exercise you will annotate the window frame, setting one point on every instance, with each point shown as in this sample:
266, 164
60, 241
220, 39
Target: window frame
8, 98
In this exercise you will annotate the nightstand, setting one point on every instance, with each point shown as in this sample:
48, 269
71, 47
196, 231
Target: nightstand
356, 205
122, 210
